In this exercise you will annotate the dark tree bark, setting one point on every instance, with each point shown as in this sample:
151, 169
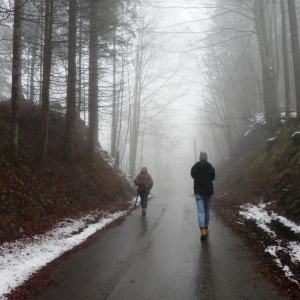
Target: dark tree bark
69, 134
20, 89
47, 61
295, 51
285, 65
114, 103
15, 94
34, 49
269, 74
79, 93
93, 82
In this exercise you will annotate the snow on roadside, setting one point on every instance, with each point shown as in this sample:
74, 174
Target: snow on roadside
259, 118
263, 219
260, 216
21, 258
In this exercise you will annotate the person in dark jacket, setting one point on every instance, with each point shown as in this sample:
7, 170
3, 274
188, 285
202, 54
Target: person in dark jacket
145, 183
203, 174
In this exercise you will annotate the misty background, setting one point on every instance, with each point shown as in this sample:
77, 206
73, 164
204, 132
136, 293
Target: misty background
173, 78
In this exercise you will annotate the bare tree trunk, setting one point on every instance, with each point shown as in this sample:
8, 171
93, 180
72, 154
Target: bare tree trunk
158, 157
285, 65
69, 134
47, 62
41, 56
15, 82
120, 96
135, 123
93, 80
295, 51
269, 74
276, 45
134, 134
20, 90
114, 103
33, 61
79, 87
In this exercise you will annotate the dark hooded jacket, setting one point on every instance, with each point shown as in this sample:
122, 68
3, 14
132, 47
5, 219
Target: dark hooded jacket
203, 174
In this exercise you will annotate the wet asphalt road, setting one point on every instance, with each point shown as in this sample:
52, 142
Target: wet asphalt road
160, 256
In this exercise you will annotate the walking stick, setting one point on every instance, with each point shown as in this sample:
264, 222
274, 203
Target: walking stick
136, 200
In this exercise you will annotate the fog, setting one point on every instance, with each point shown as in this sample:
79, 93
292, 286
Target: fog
176, 93
174, 77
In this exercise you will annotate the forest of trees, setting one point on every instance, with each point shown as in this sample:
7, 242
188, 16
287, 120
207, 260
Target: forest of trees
251, 66
91, 60
106, 62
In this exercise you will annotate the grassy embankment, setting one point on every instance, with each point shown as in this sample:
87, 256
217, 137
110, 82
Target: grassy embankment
265, 171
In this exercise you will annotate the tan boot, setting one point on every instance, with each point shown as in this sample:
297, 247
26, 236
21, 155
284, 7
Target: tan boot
203, 233
207, 231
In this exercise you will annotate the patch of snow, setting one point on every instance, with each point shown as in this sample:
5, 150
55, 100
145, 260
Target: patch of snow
297, 132
259, 215
263, 220
293, 114
294, 251
259, 118
286, 269
293, 226
21, 258
240, 223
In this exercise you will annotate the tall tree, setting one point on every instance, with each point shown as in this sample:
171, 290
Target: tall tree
47, 62
269, 74
295, 51
285, 64
80, 55
15, 94
69, 134
34, 49
136, 106
114, 101
93, 81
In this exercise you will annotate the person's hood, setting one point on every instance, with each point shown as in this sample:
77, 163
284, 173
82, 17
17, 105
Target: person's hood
144, 172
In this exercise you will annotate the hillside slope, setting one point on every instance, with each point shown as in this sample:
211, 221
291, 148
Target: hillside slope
265, 173
34, 197
265, 170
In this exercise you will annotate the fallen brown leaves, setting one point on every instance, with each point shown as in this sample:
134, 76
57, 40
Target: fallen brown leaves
42, 279
34, 198
227, 205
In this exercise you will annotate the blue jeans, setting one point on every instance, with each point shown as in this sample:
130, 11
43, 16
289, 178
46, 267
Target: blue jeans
203, 205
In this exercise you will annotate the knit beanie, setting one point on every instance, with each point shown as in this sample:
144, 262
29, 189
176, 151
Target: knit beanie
203, 155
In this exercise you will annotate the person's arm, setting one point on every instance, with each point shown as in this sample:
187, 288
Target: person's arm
150, 182
136, 180
193, 172
213, 174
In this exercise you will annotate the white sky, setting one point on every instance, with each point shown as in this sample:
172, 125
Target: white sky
173, 31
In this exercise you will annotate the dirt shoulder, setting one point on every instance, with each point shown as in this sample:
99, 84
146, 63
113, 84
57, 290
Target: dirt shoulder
227, 205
